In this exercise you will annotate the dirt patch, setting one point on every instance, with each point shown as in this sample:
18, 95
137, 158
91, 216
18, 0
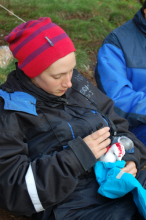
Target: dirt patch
5, 215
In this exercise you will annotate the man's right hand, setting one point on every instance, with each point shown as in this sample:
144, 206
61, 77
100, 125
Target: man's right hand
98, 141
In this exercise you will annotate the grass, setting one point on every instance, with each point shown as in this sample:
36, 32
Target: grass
87, 22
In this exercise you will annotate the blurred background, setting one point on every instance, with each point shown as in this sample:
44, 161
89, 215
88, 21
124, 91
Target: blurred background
87, 22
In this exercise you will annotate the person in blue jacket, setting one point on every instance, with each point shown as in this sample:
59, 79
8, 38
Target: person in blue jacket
121, 71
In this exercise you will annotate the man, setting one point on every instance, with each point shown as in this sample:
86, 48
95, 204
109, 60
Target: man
121, 71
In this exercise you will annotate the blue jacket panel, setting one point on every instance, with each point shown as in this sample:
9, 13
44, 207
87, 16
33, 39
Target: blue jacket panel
19, 101
120, 72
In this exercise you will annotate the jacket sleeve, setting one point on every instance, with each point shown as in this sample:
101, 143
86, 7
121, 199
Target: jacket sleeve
27, 187
112, 78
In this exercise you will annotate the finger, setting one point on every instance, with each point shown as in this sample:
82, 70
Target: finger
131, 165
100, 132
133, 172
130, 168
100, 153
104, 144
102, 138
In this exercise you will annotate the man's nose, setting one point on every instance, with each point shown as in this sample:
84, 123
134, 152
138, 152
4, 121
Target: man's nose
67, 82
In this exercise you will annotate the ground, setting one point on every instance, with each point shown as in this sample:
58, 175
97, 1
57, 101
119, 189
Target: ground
5, 215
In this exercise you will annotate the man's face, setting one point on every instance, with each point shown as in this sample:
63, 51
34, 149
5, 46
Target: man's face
56, 79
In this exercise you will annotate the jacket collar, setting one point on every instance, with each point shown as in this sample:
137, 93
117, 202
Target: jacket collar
140, 22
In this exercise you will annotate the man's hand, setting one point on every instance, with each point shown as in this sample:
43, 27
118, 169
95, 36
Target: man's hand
98, 141
130, 167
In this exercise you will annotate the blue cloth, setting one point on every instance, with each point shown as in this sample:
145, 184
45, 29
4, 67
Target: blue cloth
114, 183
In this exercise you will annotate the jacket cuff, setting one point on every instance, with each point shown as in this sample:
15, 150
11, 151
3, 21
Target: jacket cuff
129, 157
83, 153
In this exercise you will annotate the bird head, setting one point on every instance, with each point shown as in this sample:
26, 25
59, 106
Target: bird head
114, 152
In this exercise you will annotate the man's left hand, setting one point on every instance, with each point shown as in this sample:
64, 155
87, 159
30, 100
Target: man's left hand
130, 167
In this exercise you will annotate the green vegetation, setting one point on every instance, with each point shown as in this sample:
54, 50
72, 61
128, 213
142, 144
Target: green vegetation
87, 22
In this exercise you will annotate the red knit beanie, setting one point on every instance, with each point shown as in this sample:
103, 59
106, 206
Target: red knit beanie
37, 44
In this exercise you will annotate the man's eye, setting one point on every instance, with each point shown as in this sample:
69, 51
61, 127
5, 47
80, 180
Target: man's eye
56, 77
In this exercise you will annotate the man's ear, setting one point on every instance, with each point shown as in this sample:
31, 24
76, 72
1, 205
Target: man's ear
144, 10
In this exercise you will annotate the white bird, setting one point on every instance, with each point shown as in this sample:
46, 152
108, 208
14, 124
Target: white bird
114, 152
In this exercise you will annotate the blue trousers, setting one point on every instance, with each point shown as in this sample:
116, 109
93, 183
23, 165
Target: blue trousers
139, 132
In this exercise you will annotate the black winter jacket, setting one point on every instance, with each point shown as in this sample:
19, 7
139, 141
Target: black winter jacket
42, 152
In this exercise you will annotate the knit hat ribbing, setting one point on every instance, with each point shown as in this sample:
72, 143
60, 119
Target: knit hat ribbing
37, 44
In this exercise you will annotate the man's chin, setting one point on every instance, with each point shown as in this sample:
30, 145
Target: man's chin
60, 93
